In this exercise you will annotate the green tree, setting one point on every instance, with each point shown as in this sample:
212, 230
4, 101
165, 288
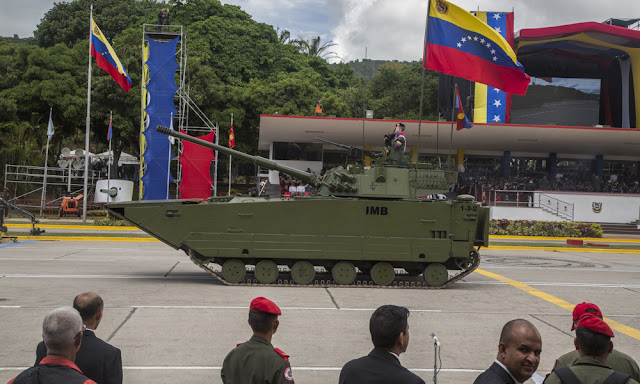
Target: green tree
68, 22
395, 91
315, 47
17, 145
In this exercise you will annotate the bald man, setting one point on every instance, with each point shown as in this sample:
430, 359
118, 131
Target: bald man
98, 360
518, 354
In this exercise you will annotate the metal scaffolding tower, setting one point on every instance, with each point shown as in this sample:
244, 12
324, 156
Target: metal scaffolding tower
185, 105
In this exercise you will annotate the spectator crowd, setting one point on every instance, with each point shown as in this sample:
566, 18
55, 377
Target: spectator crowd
71, 353
484, 182
290, 186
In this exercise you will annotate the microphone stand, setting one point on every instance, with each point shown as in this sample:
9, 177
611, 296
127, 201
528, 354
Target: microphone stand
436, 345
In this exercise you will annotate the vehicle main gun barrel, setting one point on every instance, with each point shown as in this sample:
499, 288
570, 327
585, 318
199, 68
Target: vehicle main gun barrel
260, 161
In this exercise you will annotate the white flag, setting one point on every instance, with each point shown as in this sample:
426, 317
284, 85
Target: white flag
171, 138
50, 126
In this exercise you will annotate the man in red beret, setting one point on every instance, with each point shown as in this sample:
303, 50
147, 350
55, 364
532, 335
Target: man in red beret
593, 342
617, 360
257, 361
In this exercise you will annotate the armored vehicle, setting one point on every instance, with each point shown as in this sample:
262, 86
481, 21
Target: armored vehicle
380, 225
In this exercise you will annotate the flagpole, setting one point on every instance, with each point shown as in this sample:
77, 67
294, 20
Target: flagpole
109, 163
230, 162
87, 126
453, 117
169, 161
424, 59
215, 171
46, 160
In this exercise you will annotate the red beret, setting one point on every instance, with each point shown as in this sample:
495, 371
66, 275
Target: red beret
261, 304
583, 308
594, 323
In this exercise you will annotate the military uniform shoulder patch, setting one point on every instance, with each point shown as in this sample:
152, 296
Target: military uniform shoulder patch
288, 374
282, 353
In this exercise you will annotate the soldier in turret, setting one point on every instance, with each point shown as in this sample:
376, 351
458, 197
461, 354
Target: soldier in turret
396, 145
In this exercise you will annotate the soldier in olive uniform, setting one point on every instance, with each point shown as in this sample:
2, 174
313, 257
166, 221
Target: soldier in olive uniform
617, 360
257, 361
397, 145
593, 342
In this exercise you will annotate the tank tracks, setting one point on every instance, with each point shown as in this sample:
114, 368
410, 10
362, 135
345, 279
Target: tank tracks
325, 280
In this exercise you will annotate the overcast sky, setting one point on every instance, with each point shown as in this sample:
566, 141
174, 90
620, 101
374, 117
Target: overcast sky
388, 29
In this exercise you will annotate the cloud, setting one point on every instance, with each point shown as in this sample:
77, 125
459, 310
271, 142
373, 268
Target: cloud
22, 17
393, 30
300, 17
388, 29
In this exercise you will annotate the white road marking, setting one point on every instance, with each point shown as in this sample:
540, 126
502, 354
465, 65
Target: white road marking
207, 277
287, 308
217, 368
162, 277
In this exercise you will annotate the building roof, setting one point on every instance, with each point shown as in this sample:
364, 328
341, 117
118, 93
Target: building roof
482, 139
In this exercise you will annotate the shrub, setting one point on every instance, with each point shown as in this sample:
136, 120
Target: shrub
111, 222
543, 228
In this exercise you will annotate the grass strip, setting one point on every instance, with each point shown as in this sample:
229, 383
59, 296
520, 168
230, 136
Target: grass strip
561, 245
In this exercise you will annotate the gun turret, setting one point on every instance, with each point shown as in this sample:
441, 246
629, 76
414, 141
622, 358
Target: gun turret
261, 161
380, 182
354, 153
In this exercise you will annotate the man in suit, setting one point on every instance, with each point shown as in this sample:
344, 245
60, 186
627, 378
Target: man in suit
389, 330
518, 354
62, 333
98, 360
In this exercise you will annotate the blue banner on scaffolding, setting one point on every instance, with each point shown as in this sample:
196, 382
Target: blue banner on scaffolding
160, 108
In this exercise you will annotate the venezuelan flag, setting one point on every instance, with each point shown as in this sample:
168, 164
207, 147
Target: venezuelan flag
107, 59
491, 104
459, 44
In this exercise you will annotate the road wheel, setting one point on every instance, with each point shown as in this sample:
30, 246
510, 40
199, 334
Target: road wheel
344, 272
436, 275
303, 272
383, 273
266, 271
233, 271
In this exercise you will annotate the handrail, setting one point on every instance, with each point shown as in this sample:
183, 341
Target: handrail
557, 211
552, 205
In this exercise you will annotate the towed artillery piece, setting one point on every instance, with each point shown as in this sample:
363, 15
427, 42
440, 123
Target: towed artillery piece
380, 225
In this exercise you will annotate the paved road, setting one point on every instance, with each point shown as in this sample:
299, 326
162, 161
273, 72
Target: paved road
175, 324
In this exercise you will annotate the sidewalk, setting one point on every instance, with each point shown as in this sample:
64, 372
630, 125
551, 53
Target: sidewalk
59, 221
67, 225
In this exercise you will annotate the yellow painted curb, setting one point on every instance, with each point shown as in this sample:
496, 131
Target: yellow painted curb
562, 249
632, 332
494, 247
90, 238
599, 239
96, 227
